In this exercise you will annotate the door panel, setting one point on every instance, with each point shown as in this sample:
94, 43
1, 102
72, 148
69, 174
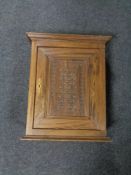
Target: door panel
66, 88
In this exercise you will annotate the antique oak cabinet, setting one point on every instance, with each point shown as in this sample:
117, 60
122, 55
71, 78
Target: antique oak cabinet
67, 96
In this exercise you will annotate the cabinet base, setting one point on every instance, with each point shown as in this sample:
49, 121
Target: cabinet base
85, 139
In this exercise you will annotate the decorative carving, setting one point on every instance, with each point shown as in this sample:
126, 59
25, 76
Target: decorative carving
66, 95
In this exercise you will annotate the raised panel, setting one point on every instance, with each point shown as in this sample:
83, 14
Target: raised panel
66, 88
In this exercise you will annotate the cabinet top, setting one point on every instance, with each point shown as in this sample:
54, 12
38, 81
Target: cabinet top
97, 38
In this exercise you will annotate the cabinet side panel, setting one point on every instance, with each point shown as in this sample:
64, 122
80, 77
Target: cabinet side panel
31, 93
101, 121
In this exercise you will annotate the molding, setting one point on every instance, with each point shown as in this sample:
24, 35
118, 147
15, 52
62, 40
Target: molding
85, 139
98, 38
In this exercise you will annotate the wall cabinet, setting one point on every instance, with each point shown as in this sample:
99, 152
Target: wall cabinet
67, 96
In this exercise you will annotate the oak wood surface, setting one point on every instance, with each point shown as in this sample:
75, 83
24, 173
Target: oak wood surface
67, 93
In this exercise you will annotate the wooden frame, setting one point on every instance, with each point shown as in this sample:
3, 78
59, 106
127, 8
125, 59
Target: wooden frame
67, 95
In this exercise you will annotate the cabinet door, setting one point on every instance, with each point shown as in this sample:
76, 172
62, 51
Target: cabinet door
67, 92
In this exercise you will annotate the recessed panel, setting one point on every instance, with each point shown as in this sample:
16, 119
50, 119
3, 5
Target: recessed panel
68, 87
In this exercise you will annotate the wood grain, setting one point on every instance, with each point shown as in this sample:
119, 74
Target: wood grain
67, 87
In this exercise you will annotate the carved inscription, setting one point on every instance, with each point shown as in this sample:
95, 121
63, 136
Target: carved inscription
66, 87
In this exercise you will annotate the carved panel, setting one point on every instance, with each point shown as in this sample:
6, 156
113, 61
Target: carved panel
67, 87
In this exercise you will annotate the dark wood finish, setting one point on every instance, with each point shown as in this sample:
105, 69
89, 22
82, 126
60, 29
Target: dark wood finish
67, 88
